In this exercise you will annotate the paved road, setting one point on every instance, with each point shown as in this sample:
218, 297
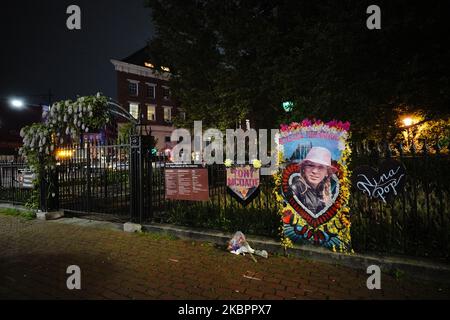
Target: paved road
34, 256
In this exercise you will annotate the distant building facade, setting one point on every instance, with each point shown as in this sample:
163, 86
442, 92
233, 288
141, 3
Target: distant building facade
145, 93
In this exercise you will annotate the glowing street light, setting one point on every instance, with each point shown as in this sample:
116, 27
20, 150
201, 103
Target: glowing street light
16, 103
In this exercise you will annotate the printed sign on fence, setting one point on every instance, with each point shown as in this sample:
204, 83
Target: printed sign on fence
25, 178
186, 182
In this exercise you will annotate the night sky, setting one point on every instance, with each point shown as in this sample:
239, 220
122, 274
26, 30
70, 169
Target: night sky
39, 53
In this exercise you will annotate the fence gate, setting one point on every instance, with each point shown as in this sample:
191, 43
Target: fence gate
94, 179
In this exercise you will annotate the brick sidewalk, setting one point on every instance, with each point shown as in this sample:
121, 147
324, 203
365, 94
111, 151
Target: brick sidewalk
34, 256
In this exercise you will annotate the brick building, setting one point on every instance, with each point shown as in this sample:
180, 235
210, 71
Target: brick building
144, 92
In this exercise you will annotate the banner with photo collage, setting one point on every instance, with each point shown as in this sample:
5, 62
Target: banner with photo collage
313, 185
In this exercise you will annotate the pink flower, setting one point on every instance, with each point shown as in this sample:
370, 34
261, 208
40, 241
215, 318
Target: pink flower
306, 123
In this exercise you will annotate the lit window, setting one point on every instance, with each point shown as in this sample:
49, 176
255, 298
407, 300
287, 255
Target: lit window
151, 91
133, 88
165, 69
148, 65
166, 93
151, 113
134, 110
167, 114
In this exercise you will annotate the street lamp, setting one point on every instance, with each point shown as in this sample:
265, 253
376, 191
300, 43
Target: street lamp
20, 103
16, 103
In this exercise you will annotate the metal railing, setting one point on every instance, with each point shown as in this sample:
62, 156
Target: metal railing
16, 186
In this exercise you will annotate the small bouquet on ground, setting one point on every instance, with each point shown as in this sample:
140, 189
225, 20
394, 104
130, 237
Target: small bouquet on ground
238, 244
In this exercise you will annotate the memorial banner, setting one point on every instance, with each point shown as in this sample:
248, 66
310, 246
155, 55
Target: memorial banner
313, 184
243, 183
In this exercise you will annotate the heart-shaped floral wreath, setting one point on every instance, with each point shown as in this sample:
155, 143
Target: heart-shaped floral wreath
332, 228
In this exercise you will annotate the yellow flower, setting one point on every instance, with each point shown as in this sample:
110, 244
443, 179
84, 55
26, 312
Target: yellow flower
228, 163
256, 164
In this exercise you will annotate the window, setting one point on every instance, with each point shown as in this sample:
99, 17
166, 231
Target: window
167, 138
134, 109
167, 114
151, 113
183, 115
151, 90
133, 88
166, 93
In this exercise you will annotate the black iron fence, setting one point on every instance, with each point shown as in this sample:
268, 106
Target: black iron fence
124, 182
417, 221
16, 182
221, 211
94, 179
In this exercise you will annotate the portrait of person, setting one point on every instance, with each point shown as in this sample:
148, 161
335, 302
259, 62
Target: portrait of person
315, 186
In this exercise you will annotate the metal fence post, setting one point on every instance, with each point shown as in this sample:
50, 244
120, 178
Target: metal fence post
136, 179
42, 186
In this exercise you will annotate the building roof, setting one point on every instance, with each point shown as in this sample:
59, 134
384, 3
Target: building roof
139, 57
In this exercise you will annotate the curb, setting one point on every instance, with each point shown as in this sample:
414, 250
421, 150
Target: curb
413, 268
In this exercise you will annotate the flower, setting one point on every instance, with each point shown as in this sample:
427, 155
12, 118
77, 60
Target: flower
256, 163
228, 163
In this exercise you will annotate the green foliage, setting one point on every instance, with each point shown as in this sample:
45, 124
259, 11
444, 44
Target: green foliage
125, 131
27, 215
32, 202
157, 236
251, 220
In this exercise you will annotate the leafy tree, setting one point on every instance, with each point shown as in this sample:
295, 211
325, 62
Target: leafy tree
236, 60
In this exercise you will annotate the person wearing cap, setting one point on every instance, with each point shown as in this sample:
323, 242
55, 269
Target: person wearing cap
314, 187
